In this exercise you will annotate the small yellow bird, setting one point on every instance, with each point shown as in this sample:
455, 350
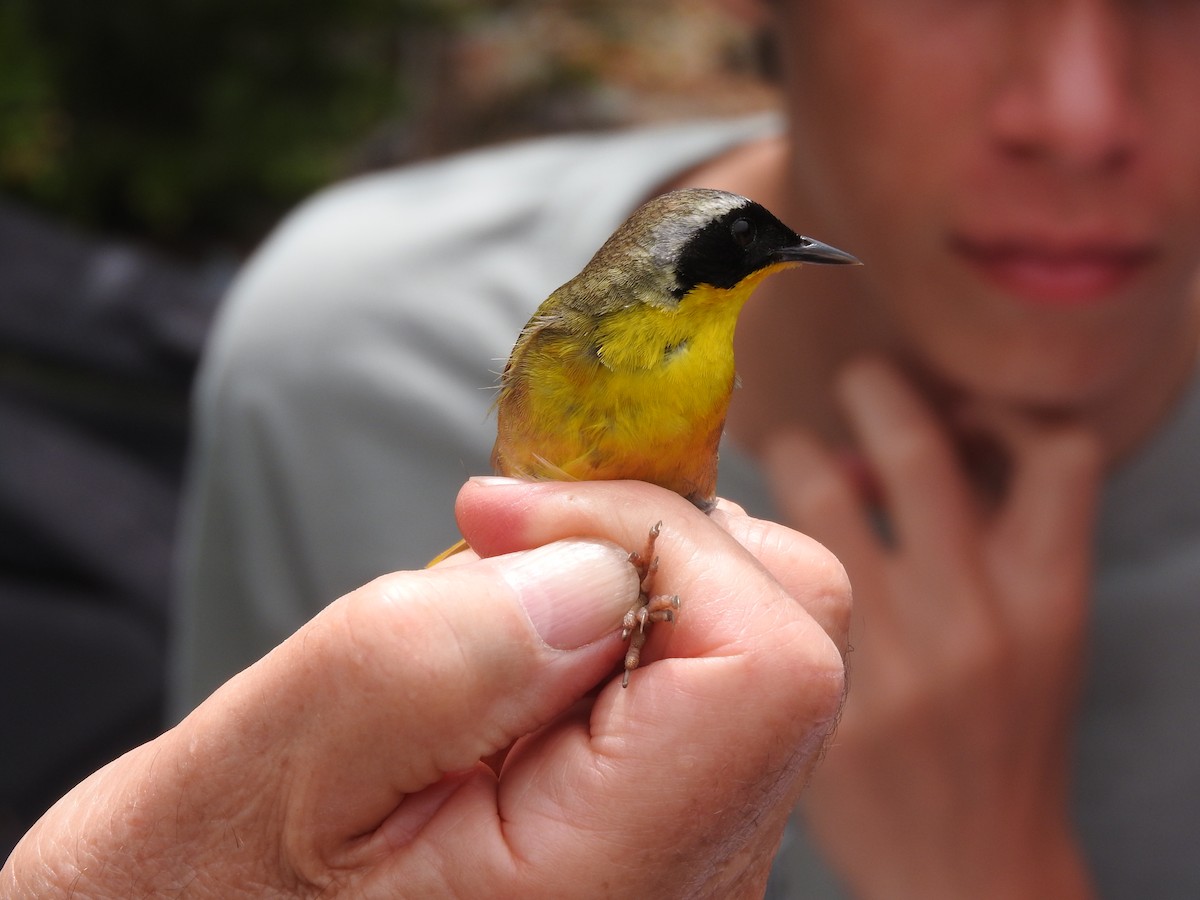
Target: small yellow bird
626, 371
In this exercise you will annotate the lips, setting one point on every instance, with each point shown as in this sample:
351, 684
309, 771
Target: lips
1056, 271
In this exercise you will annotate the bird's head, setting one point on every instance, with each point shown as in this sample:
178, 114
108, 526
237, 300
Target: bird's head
700, 237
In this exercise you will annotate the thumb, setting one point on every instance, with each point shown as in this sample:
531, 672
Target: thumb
421, 674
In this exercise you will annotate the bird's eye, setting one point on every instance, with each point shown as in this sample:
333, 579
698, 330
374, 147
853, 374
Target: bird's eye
743, 232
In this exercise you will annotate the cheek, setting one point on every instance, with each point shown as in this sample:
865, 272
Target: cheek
1174, 140
878, 128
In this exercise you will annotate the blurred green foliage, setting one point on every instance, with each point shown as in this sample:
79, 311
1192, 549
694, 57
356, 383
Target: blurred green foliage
194, 123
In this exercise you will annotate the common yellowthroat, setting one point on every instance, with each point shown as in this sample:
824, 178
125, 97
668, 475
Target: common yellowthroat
626, 371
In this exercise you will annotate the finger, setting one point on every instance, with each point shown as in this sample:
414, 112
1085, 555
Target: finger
728, 506
817, 493
497, 516
735, 615
772, 544
778, 548
927, 498
1047, 519
421, 674
736, 711
817, 496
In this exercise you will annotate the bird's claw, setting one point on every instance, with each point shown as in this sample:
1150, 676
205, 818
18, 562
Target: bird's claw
648, 609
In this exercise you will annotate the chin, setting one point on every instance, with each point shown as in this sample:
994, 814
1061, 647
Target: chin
1038, 371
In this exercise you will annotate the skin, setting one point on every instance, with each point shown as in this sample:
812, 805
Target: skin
919, 128
1062, 129
276, 786
1068, 131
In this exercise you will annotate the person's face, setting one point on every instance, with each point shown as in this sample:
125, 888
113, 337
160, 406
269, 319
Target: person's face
1021, 178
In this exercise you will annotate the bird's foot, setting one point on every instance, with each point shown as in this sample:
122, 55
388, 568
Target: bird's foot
648, 609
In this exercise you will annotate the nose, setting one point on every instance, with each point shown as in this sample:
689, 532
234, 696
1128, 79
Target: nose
1067, 94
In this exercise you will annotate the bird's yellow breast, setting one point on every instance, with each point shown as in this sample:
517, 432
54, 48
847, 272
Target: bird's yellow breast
640, 391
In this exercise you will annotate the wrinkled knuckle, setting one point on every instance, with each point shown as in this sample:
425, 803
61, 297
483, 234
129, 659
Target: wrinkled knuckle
832, 688
761, 537
822, 690
380, 614
829, 575
836, 593
822, 574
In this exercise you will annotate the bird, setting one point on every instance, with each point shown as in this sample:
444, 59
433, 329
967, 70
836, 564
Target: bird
626, 371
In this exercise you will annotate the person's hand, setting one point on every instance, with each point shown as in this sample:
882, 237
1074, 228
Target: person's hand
949, 774
349, 760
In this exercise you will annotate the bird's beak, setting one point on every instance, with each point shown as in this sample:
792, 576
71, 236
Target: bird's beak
806, 250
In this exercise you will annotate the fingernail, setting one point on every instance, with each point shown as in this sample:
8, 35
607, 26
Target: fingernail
574, 591
493, 480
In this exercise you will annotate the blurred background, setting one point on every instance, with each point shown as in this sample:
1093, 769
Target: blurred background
146, 147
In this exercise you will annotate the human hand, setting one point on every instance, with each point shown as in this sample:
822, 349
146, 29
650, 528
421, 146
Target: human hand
349, 760
949, 773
